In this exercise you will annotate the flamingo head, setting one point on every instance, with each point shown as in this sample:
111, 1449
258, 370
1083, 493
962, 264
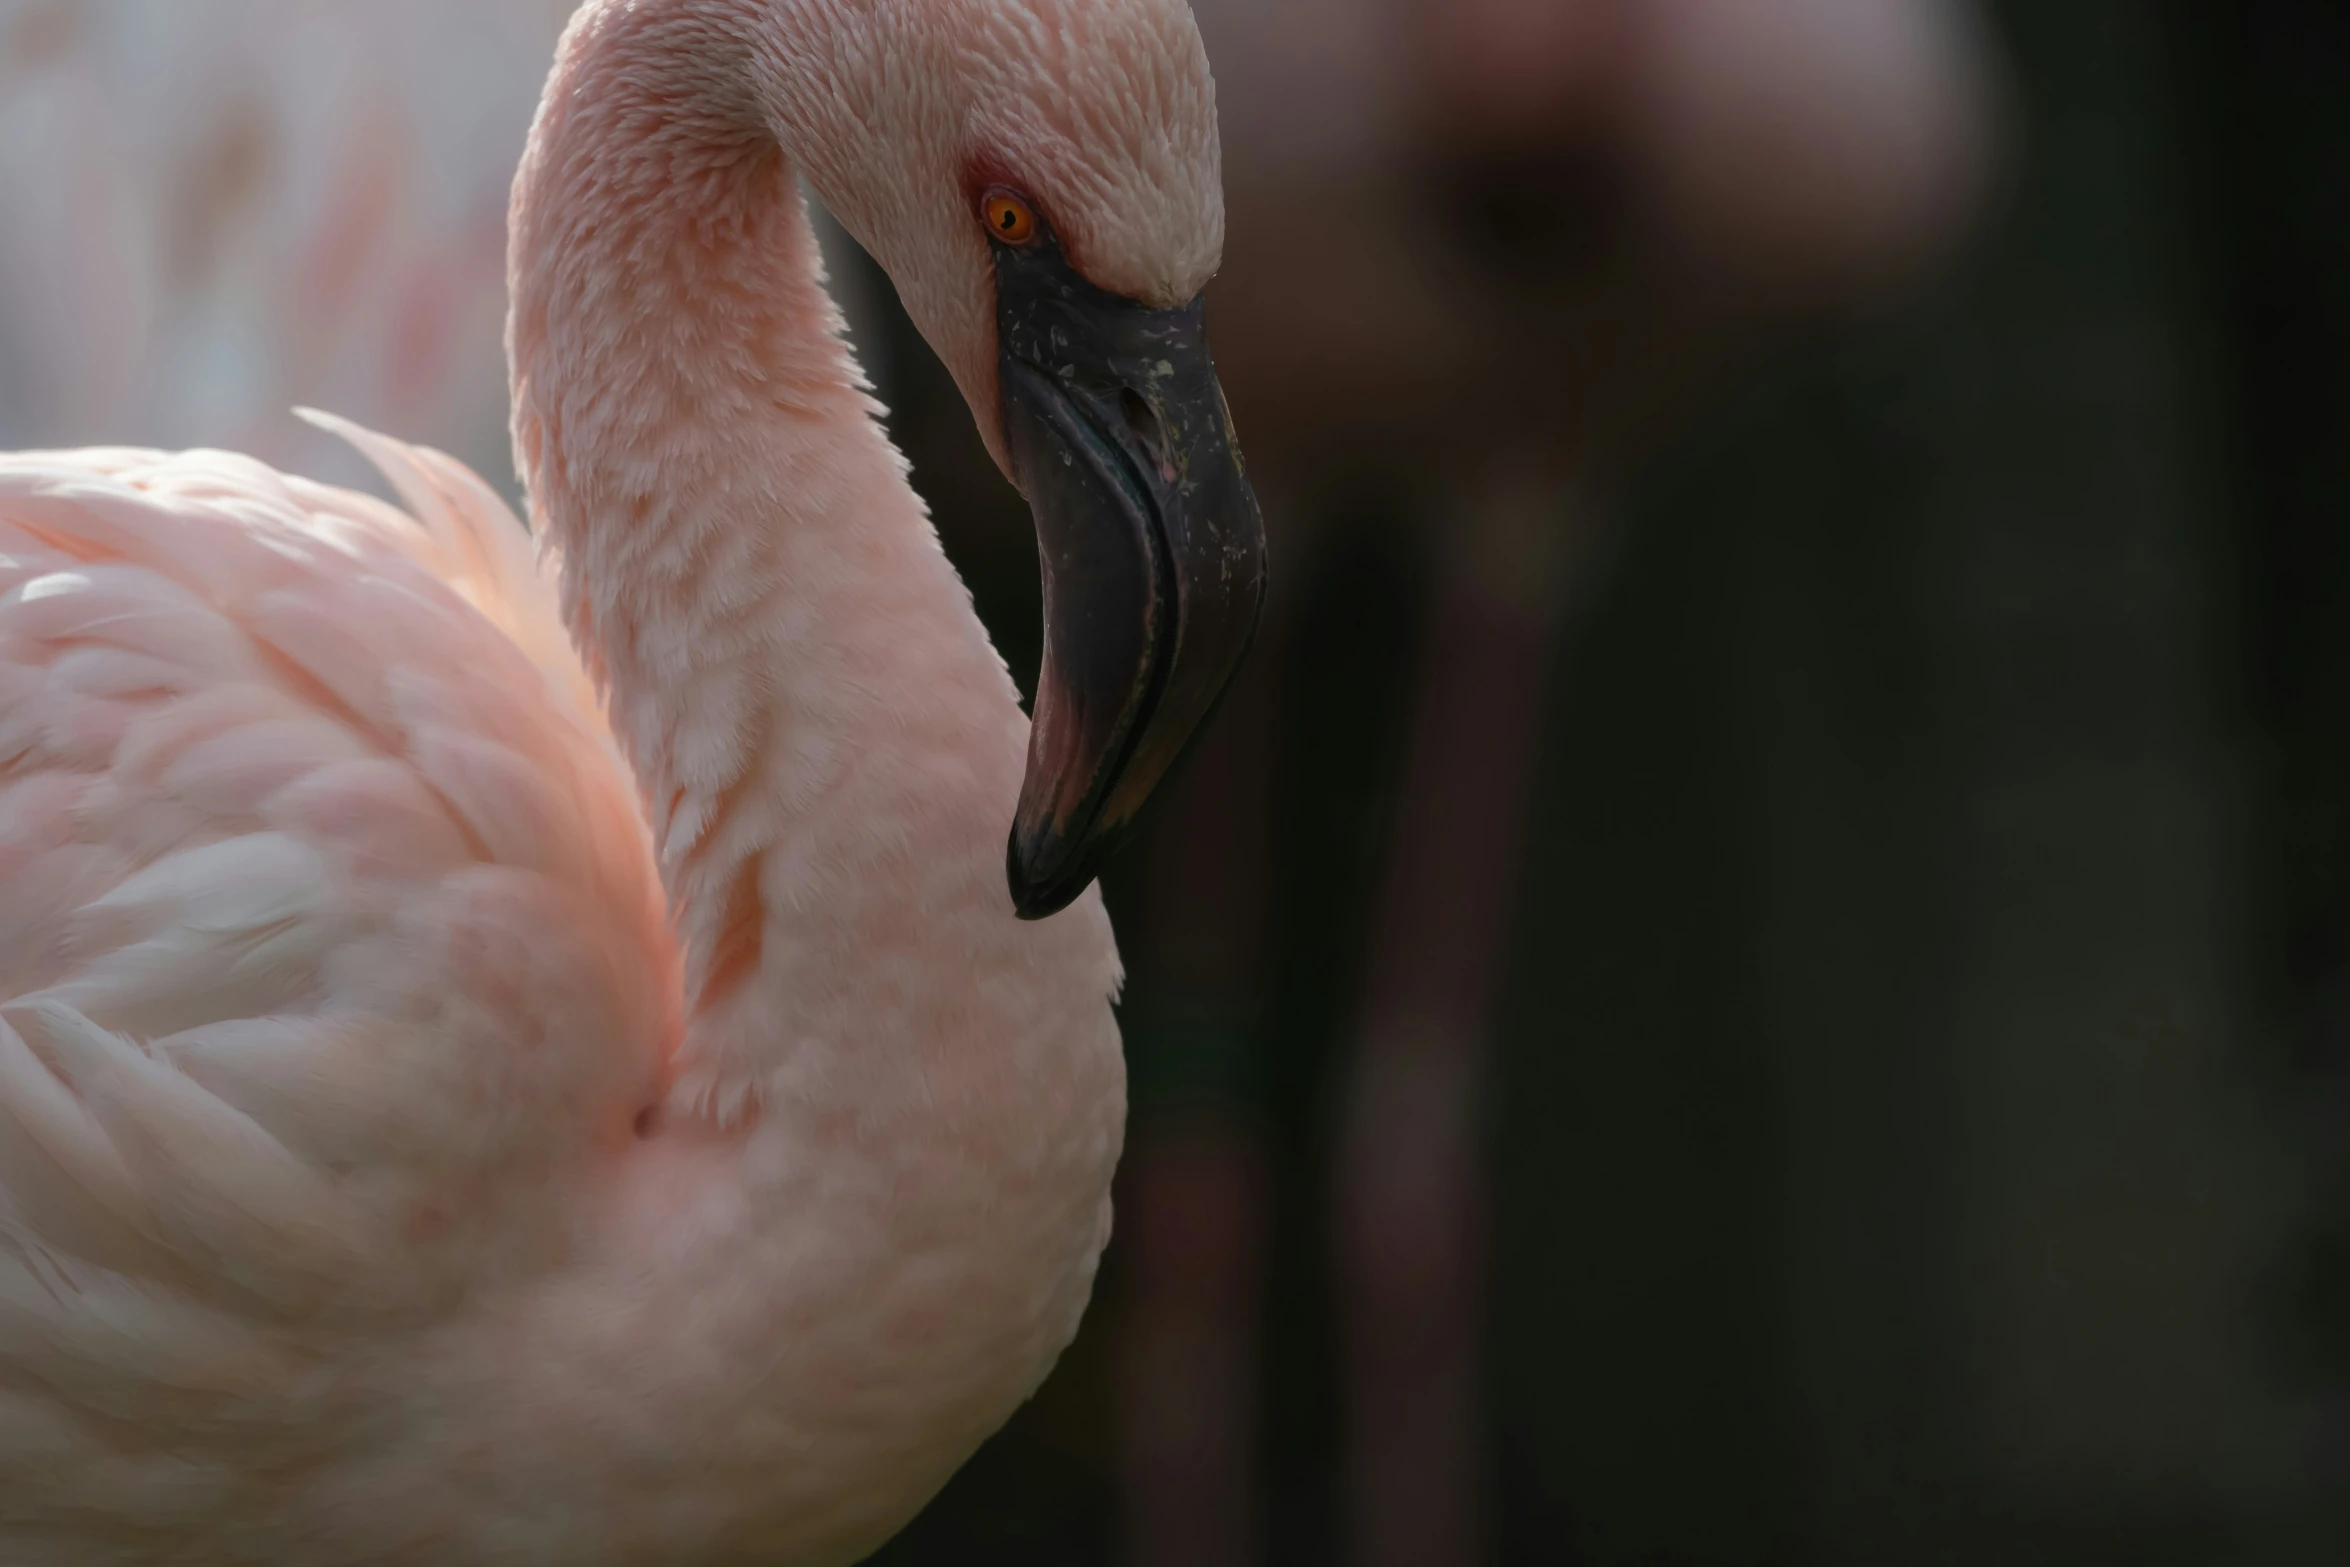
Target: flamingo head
1042, 181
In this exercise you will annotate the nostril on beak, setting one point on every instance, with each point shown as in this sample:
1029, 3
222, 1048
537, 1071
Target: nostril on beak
1149, 432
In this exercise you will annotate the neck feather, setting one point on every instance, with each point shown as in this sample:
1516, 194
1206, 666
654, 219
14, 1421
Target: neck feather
828, 746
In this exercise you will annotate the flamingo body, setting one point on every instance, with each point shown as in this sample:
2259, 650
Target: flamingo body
339, 995
512, 1059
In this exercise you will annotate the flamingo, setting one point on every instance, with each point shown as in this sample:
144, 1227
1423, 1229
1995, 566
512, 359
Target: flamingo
512, 1059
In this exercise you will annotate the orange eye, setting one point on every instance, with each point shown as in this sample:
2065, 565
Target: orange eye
1009, 219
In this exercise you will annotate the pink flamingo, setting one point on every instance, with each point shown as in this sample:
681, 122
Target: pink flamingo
439, 1127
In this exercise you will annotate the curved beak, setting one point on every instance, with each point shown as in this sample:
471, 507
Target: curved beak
1152, 548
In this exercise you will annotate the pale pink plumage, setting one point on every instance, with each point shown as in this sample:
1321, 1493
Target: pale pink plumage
421, 1140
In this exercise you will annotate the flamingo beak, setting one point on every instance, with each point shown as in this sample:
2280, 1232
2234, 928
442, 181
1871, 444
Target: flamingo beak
1152, 547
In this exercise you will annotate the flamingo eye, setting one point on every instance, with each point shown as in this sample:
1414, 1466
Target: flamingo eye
1010, 219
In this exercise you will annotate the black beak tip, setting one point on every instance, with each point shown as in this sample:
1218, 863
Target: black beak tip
1043, 881
1151, 552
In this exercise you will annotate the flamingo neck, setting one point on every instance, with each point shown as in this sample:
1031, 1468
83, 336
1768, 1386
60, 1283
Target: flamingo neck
827, 744
895, 1108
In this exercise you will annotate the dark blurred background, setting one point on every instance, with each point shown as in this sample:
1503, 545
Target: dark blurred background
1759, 970
1758, 974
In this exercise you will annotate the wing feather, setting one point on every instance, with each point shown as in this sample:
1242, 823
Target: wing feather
332, 955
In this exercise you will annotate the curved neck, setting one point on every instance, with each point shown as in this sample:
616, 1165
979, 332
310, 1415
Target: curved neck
828, 746
891, 1229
